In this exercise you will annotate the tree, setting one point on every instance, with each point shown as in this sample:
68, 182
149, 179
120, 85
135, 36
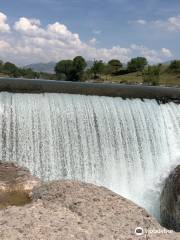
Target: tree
1, 65
11, 69
114, 66
151, 75
79, 65
64, 70
71, 70
98, 68
28, 73
137, 64
107, 71
175, 66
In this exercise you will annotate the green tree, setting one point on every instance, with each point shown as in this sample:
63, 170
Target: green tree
114, 66
1, 65
11, 69
98, 68
71, 70
107, 71
175, 66
79, 65
137, 64
151, 75
64, 70
29, 73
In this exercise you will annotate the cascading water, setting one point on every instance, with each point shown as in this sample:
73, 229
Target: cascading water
128, 146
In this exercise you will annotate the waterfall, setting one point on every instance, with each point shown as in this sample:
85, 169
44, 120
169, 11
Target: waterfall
129, 146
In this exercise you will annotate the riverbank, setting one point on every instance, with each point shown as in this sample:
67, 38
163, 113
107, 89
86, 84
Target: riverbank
78, 211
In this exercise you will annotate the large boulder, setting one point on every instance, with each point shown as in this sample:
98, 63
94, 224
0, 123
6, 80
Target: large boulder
170, 201
16, 184
72, 210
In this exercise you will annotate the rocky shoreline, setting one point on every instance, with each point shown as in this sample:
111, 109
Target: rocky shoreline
170, 201
79, 211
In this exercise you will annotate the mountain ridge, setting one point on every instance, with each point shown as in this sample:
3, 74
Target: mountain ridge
42, 67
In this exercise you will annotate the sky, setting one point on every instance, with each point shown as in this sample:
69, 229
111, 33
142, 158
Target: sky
34, 31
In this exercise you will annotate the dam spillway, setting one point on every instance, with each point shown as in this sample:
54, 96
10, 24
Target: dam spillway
160, 93
128, 146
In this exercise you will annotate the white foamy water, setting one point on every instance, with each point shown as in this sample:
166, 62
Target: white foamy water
128, 146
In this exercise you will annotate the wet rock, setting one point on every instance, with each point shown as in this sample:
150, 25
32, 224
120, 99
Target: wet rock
170, 201
72, 210
16, 184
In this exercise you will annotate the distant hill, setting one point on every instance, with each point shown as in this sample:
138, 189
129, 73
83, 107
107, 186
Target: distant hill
42, 67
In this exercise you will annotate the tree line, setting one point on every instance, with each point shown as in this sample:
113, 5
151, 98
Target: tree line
11, 70
78, 70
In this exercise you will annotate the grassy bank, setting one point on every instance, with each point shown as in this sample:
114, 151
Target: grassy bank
166, 78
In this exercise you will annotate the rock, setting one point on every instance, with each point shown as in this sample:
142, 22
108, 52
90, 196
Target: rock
16, 184
170, 201
13, 177
70, 210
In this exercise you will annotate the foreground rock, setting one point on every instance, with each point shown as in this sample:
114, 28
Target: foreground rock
16, 184
76, 211
170, 201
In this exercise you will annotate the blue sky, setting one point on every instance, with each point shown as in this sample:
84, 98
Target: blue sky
49, 30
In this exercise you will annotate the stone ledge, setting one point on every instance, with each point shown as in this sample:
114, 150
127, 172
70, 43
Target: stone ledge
170, 201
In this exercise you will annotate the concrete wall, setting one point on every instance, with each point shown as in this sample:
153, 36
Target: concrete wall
100, 89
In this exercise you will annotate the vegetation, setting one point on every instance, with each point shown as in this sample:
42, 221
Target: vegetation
166, 77
137, 64
79, 64
137, 71
114, 66
98, 69
175, 66
9, 69
151, 75
70, 70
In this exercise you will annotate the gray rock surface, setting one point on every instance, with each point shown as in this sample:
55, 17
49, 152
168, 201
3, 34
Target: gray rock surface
67, 210
170, 201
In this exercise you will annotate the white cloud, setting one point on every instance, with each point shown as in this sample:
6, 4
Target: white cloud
171, 24
4, 27
30, 42
124, 54
141, 21
166, 52
54, 42
28, 26
96, 31
153, 56
93, 41
61, 32
4, 45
